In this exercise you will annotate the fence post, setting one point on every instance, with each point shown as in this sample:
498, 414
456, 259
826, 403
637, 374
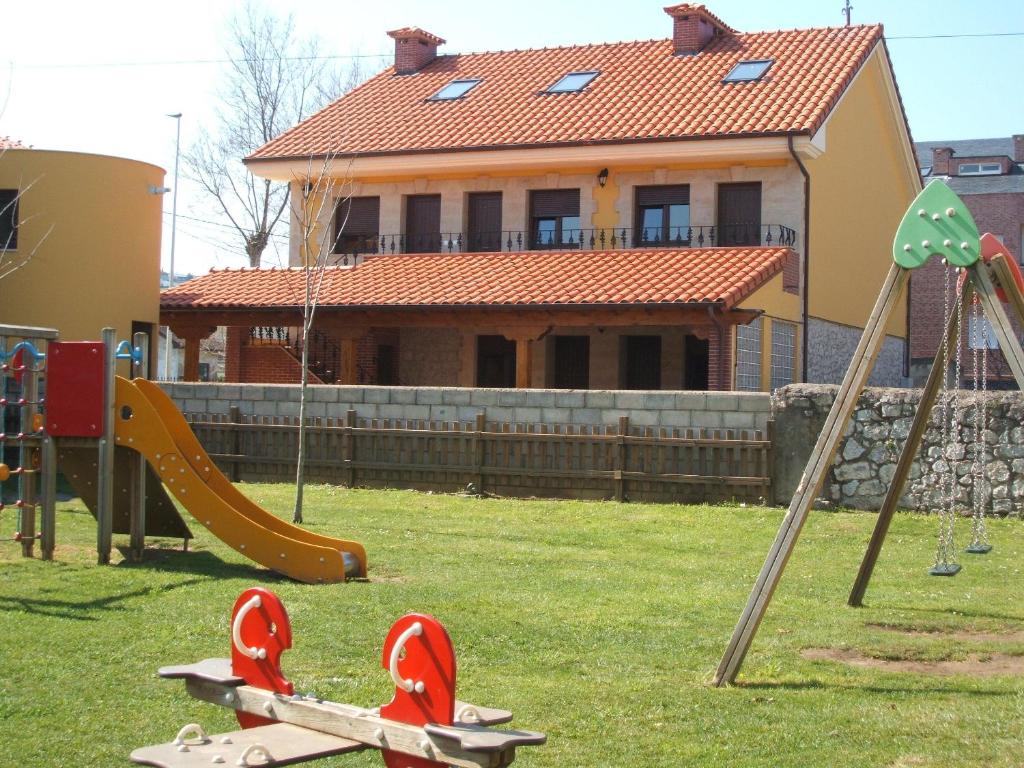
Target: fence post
479, 451
621, 459
769, 464
349, 450
235, 417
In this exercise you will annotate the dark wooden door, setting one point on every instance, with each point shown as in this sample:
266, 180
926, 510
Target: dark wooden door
572, 362
695, 363
739, 214
423, 224
484, 222
495, 362
642, 364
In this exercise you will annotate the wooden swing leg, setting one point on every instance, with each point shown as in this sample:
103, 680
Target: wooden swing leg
814, 476
906, 459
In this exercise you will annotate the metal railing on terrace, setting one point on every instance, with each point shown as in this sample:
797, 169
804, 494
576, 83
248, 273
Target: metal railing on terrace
600, 239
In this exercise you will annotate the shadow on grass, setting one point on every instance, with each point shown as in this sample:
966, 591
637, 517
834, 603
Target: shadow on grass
197, 563
82, 611
916, 690
959, 611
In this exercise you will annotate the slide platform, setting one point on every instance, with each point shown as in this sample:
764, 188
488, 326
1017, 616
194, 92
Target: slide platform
147, 421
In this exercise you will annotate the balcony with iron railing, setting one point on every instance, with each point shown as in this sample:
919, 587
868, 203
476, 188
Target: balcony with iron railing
698, 236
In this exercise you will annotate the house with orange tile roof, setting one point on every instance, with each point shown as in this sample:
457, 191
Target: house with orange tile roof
708, 211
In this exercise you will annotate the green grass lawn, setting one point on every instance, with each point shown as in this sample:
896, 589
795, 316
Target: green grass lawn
597, 623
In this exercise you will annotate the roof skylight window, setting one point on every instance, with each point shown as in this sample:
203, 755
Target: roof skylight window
574, 81
456, 89
748, 71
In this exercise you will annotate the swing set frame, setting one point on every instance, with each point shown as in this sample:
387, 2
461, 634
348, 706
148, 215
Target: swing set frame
983, 278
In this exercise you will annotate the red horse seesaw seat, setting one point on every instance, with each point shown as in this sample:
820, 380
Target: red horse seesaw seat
423, 726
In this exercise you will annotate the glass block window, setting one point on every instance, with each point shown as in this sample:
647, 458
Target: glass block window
980, 334
783, 353
748, 356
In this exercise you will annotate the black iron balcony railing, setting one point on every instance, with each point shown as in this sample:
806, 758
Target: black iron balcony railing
324, 352
600, 239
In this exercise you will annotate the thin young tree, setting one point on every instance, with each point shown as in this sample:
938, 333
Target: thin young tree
275, 79
315, 206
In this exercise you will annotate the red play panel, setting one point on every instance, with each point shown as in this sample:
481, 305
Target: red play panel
74, 388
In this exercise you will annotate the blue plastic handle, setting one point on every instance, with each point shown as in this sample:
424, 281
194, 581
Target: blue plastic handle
27, 346
125, 351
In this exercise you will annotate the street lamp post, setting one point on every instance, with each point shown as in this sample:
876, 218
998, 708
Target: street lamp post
174, 228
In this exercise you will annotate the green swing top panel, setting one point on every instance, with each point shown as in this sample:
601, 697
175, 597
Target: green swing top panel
937, 223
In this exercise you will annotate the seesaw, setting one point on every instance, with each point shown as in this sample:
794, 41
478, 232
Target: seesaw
423, 725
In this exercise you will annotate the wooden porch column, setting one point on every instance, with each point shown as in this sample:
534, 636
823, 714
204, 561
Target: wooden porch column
524, 338
193, 336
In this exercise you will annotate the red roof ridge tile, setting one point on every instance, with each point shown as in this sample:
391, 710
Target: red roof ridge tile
686, 8
417, 33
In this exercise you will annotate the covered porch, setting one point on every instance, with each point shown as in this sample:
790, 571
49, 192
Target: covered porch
578, 320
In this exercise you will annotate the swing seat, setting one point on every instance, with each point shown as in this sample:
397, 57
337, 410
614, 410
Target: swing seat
979, 549
945, 569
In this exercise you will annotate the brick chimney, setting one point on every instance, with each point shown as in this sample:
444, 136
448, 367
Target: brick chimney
941, 161
414, 49
693, 27
1018, 148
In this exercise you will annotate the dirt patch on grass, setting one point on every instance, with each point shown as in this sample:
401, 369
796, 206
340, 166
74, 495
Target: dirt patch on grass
961, 635
975, 665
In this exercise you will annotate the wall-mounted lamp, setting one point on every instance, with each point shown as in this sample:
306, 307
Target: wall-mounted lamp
155, 190
602, 177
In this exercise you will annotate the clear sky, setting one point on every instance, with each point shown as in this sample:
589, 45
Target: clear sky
101, 76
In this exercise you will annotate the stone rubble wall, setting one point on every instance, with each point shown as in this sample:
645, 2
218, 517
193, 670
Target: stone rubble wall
866, 459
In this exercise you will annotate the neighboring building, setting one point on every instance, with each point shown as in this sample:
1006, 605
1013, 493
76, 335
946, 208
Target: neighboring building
710, 211
86, 231
989, 175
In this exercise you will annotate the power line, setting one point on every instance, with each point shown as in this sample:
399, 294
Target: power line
191, 62
219, 224
336, 57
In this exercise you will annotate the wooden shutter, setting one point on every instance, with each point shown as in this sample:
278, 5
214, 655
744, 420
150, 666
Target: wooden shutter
666, 194
739, 214
359, 216
484, 221
548, 203
422, 223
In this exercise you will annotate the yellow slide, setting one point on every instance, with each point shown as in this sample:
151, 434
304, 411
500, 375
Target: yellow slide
148, 421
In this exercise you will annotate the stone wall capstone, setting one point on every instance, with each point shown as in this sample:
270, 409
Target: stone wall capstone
866, 458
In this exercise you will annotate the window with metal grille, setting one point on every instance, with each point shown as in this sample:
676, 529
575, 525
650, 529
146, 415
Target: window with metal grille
8, 219
748, 356
783, 353
357, 225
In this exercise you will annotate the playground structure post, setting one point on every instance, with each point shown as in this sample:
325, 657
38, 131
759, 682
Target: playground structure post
28, 482
105, 464
48, 500
137, 521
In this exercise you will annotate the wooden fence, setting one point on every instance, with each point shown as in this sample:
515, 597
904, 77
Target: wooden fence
558, 461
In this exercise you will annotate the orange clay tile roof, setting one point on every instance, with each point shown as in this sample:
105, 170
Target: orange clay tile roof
723, 276
643, 93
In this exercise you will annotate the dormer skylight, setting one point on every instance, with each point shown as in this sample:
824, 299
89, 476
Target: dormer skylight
456, 89
572, 82
748, 71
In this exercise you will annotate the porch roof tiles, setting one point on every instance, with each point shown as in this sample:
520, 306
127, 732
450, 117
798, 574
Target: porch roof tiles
643, 93
721, 276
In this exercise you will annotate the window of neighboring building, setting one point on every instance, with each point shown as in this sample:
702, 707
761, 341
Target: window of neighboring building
8, 219
739, 213
574, 81
640, 362
748, 356
980, 169
663, 215
571, 364
455, 89
746, 71
980, 334
783, 353
555, 218
926, 170
357, 225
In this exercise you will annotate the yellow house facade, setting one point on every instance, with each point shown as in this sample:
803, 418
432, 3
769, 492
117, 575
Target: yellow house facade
712, 139
88, 241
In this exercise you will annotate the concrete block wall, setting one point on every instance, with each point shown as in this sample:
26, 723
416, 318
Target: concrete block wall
716, 410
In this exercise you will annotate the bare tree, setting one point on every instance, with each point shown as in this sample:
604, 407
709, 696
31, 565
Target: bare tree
314, 209
275, 80
15, 253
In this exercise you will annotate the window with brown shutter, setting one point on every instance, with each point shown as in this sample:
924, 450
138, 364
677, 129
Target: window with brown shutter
357, 225
422, 224
555, 218
662, 215
739, 214
484, 222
